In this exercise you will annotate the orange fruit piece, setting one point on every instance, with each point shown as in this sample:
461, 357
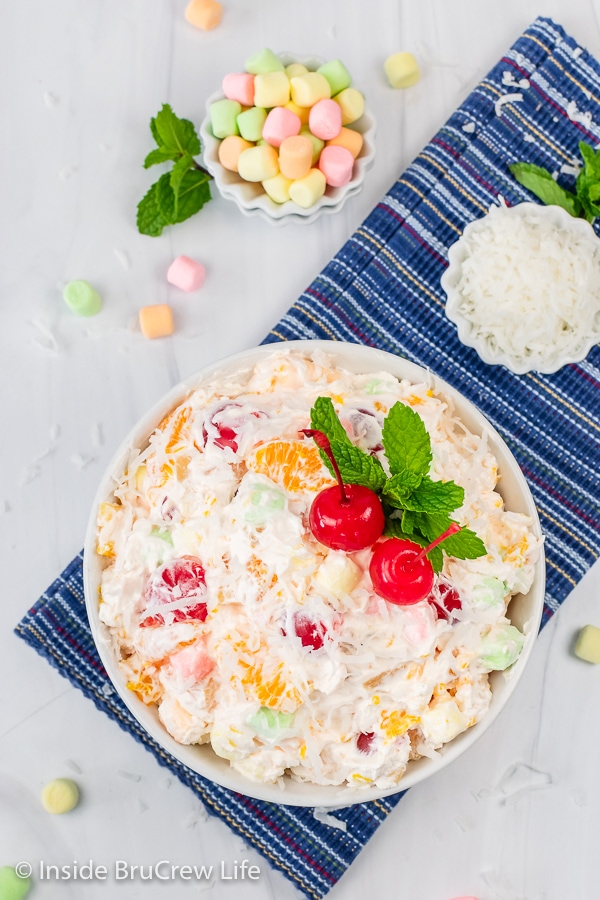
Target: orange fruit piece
296, 465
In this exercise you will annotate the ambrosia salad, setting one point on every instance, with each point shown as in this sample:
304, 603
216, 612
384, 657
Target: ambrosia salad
250, 633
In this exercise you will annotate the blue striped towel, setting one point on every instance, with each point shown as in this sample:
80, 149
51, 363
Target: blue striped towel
383, 289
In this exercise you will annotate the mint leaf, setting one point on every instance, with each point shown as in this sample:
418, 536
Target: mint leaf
159, 156
591, 160
464, 545
399, 487
405, 441
175, 134
150, 219
358, 467
323, 417
177, 172
194, 192
435, 496
541, 183
431, 525
166, 198
393, 528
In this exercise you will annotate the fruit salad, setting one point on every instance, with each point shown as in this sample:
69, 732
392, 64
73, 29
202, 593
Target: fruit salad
310, 570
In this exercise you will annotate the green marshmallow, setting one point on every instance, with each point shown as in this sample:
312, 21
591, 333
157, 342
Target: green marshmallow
500, 647
250, 123
223, 116
317, 143
337, 75
82, 299
264, 61
490, 591
163, 533
269, 723
264, 501
12, 886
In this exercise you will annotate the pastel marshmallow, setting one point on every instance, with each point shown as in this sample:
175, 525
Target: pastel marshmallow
325, 119
352, 104
278, 188
588, 644
271, 89
264, 61
337, 75
81, 298
309, 88
295, 69
204, 14
306, 191
258, 163
60, 796
281, 123
230, 149
501, 647
295, 157
317, 143
13, 886
402, 70
302, 112
223, 117
336, 164
250, 123
239, 86
350, 139
156, 321
186, 273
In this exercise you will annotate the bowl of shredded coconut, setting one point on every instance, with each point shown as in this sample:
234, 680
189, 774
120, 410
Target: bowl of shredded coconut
268, 660
523, 287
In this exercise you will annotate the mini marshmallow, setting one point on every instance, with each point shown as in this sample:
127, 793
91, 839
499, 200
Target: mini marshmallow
336, 163
13, 886
317, 143
264, 61
204, 14
230, 149
186, 273
250, 123
337, 75
271, 89
60, 796
280, 124
306, 191
309, 88
258, 163
295, 69
352, 104
348, 138
239, 86
402, 70
223, 117
295, 157
302, 112
278, 188
325, 119
588, 644
81, 298
156, 321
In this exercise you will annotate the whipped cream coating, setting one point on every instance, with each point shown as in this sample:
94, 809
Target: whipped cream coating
211, 566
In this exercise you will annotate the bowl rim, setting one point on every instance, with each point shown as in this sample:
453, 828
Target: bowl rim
288, 212
457, 254
358, 358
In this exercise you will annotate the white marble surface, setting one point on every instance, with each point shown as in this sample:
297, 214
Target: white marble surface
79, 82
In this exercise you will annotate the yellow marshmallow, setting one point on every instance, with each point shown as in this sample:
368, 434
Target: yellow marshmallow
302, 112
204, 14
588, 644
309, 88
352, 104
156, 321
271, 89
278, 188
230, 150
306, 191
258, 163
60, 796
351, 140
402, 70
295, 69
295, 156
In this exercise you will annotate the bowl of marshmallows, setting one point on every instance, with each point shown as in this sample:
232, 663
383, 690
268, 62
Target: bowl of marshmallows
288, 138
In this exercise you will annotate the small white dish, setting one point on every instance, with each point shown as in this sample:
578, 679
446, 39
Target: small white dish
553, 357
251, 198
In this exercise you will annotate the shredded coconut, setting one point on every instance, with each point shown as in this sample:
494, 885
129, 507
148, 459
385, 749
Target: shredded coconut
506, 98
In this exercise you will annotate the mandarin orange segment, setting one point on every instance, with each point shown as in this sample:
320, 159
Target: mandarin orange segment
273, 690
294, 464
396, 723
179, 431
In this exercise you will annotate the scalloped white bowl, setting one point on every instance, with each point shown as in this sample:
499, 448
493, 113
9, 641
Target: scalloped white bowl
459, 252
251, 198
525, 611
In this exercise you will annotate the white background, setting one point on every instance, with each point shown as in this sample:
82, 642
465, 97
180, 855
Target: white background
80, 81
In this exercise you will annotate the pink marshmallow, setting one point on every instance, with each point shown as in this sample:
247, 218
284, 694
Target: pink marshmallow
192, 663
186, 273
239, 86
336, 164
280, 124
325, 119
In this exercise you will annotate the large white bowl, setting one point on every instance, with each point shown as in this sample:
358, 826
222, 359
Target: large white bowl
525, 611
251, 197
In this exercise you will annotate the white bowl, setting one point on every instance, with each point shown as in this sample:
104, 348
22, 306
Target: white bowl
251, 197
525, 611
552, 360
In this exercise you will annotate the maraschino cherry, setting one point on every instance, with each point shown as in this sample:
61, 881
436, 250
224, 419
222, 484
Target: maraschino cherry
346, 516
400, 570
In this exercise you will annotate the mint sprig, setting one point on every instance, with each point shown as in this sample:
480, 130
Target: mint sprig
184, 190
584, 203
356, 466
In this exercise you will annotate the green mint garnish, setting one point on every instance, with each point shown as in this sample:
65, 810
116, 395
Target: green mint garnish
184, 190
584, 203
405, 441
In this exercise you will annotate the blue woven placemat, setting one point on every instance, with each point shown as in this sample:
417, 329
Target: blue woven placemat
383, 289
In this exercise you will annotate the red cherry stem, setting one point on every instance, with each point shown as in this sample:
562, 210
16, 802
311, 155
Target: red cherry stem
454, 528
322, 442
